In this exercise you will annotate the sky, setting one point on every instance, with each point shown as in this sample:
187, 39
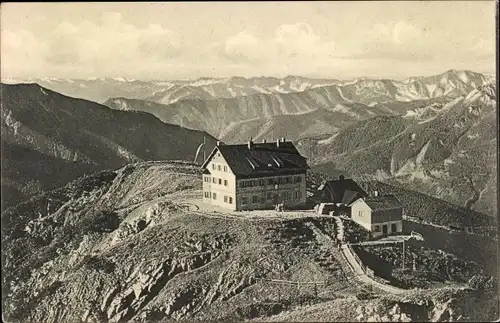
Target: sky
175, 40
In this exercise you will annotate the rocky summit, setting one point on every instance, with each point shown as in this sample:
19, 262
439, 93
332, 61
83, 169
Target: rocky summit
135, 244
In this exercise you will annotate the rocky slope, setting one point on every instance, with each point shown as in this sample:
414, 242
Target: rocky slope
49, 139
440, 306
446, 150
125, 246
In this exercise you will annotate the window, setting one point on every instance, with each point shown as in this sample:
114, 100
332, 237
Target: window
225, 198
213, 180
255, 199
298, 179
244, 200
296, 195
270, 181
240, 184
262, 182
225, 168
207, 194
220, 181
218, 168
269, 195
213, 166
394, 227
214, 195
230, 200
225, 182
361, 213
377, 228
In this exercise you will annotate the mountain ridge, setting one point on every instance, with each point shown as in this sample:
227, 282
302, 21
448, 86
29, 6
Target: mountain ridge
38, 120
447, 151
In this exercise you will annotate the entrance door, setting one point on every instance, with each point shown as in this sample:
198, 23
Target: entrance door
394, 227
384, 229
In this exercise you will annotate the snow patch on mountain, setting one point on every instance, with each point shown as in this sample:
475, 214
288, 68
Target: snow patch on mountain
463, 76
11, 122
344, 109
421, 154
328, 140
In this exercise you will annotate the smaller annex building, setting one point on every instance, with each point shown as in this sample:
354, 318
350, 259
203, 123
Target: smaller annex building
255, 176
340, 191
379, 214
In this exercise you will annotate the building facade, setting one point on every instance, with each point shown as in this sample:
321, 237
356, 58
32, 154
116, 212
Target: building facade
255, 176
381, 215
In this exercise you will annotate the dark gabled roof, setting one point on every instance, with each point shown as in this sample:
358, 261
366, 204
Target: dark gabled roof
262, 159
384, 202
344, 190
351, 196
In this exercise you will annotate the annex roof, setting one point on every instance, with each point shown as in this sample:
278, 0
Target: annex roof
383, 202
344, 190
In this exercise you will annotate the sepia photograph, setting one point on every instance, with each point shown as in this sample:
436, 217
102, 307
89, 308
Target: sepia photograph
269, 161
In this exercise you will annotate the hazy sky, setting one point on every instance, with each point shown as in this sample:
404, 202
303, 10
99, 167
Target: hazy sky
190, 40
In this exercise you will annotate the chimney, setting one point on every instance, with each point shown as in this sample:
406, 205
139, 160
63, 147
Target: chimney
218, 143
277, 142
375, 193
341, 178
264, 141
282, 139
250, 144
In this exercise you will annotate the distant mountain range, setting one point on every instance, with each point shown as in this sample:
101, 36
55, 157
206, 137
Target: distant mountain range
322, 109
166, 92
49, 139
364, 90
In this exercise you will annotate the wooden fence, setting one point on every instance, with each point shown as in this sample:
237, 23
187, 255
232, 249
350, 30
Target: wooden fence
290, 282
368, 271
